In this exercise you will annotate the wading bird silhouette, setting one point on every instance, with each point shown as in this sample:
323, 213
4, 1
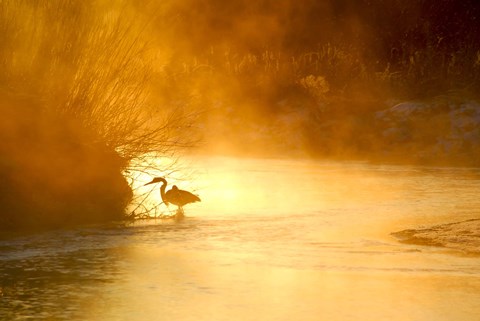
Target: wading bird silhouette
174, 195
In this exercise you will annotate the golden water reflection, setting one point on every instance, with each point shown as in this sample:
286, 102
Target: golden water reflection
271, 240
167, 285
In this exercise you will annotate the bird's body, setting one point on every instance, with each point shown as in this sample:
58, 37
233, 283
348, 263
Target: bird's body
175, 196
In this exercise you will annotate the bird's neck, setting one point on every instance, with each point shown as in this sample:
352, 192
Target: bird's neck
162, 192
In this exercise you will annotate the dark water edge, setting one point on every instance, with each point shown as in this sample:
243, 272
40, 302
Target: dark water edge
47, 275
41, 272
463, 236
11, 232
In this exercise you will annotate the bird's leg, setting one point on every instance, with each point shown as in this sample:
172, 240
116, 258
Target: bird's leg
168, 208
180, 214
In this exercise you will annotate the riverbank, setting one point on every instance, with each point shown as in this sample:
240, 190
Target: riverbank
438, 132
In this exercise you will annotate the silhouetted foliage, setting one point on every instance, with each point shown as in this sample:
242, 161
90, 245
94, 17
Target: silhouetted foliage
75, 111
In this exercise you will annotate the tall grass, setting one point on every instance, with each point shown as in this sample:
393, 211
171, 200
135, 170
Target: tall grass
332, 84
347, 76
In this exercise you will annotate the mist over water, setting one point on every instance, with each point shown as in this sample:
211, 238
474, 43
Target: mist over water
271, 240
98, 97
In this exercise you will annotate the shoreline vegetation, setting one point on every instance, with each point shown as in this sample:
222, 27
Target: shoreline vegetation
341, 85
88, 88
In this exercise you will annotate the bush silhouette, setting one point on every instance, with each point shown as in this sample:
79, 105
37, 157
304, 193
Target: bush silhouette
73, 111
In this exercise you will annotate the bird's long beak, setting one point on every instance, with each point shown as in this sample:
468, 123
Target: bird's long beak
153, 181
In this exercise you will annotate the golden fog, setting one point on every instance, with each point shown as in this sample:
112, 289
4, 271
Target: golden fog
88, 88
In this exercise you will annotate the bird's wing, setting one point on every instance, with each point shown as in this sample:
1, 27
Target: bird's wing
180, 197
188, 197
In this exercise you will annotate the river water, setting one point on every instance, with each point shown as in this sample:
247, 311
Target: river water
271, 240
